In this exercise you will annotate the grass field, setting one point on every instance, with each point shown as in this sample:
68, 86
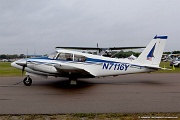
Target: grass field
7, 70
92, 116
167, 65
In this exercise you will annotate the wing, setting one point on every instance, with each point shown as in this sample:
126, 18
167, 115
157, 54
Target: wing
99, 49
67, 70
123, 48
81, 48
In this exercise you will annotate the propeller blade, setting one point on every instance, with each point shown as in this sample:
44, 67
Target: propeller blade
25, 65
23, 69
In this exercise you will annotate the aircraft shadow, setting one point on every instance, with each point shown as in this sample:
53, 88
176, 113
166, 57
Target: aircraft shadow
137, 82
65, 84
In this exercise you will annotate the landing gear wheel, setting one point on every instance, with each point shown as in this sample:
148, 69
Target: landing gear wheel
73, 81
27, 81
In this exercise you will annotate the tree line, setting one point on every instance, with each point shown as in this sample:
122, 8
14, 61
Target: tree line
15, 56
123, 54
120, 54
174, 52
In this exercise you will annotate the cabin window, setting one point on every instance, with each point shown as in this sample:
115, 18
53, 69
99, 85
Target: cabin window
79, 58
65, 56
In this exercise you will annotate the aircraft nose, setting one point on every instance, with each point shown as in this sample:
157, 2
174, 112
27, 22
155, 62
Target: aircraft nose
13, 64
21, 62
18, 63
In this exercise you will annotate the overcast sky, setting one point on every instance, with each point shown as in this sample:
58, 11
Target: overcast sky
41, 25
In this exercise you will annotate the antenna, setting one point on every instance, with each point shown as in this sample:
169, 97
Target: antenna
27, 54
35, 52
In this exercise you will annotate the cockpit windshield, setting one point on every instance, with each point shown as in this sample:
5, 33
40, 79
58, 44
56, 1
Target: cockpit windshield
67, 57
53, 55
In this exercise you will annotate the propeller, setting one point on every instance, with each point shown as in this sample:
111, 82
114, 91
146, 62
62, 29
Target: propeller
23, 69
25, 65
22, 63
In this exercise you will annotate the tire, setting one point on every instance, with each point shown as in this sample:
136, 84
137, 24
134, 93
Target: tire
27, 81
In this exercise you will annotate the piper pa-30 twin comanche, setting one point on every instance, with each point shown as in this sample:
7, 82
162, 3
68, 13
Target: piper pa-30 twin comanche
74, 64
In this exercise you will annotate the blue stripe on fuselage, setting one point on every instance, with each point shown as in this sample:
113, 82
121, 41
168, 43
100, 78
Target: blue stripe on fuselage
97, 60
44, 57
88, 61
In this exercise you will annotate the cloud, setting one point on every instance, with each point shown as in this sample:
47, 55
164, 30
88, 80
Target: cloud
45, 24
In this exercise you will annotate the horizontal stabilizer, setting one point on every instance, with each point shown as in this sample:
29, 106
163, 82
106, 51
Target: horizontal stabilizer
157, 68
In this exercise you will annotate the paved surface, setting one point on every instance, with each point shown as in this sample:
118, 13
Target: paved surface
136, 93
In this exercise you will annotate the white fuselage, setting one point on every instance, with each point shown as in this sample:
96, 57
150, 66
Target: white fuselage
94, 65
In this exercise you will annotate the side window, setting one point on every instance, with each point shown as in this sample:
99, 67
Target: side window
65, 56
79, 58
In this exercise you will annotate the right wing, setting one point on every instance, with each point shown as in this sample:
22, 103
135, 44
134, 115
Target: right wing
99, 49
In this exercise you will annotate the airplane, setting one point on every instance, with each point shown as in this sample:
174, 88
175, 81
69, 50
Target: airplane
74, 64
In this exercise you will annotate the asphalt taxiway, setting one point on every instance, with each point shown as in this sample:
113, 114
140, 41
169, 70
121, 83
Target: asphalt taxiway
136, 93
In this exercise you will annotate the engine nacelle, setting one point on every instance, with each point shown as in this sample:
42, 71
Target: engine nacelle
47, 68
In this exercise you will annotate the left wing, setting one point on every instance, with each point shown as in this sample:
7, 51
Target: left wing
66, 69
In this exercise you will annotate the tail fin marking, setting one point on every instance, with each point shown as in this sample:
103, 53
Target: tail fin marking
151, 56
151, 53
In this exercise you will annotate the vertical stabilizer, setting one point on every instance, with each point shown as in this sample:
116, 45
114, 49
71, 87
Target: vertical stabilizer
151, 56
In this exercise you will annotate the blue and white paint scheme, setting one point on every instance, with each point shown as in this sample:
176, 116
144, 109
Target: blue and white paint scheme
74, 65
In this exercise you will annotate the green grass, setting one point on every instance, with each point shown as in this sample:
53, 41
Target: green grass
92, 116
167, 65
7, 70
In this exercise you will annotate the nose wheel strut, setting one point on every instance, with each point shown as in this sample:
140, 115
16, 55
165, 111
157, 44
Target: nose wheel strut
27, 81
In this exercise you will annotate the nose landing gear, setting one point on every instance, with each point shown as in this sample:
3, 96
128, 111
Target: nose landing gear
27, 81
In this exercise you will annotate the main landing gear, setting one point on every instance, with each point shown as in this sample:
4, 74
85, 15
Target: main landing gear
73, 81
27, 81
